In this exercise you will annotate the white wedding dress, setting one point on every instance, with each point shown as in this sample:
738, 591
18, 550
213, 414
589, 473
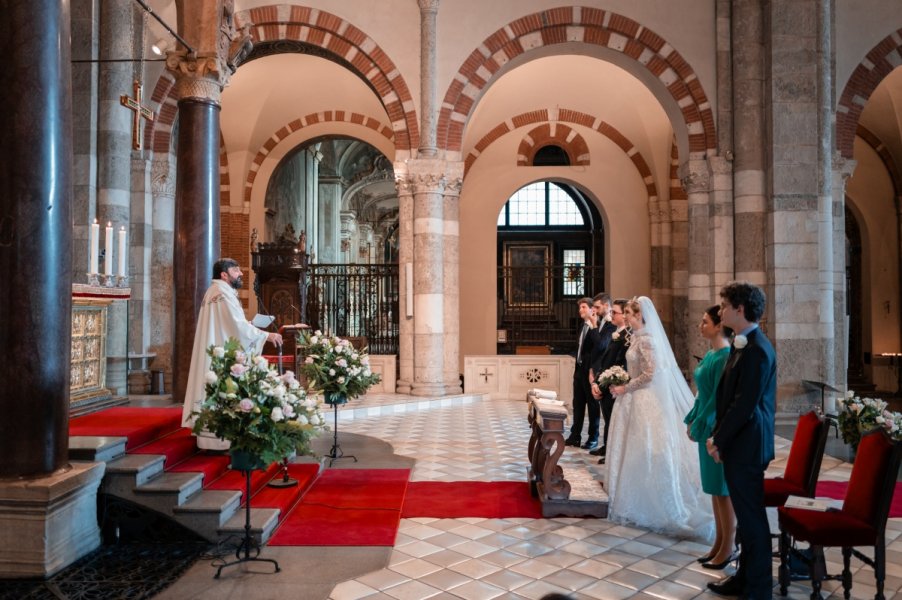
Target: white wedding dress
653, 477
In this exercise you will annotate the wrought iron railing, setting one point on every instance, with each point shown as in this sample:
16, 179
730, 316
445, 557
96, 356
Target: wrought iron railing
537, 306
356, 301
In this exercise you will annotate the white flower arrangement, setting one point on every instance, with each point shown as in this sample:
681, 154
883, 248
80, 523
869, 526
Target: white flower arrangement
333, 366
257, 410
858, 416
740, 342
614, 376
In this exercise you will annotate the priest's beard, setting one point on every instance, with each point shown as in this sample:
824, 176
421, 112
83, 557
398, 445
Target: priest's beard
236, 282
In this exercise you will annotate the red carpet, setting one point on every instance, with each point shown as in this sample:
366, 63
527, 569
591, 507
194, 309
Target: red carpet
458, 499
140, 425
347, 507
837, 490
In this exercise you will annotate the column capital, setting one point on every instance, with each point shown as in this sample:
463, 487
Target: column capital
428, 5
697, 180
843, 166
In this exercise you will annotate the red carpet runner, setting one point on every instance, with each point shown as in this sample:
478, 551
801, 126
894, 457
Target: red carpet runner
837, 490
459, 499
347, 507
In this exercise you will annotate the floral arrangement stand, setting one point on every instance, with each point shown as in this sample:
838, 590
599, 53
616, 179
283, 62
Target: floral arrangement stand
286, 481
341, 372
246, 463
335, 400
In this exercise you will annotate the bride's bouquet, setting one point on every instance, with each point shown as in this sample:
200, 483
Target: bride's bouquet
613, 376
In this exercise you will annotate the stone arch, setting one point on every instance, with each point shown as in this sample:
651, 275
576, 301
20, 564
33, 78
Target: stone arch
577, 24
565, 115
556, 134
885, 155
298, 124
323, 30
876, 65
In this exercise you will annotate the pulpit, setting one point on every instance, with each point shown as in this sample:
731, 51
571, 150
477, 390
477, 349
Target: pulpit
280, 285
87, 378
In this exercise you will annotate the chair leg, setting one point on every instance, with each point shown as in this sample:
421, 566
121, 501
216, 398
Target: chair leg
783, 573
880, 566
846, 572
818, 571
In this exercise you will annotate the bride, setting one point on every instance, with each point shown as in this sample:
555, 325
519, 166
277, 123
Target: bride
653, 476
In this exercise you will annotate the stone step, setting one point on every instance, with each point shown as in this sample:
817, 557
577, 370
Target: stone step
96, 448
263, 524
208, 511
169, 490
138, 468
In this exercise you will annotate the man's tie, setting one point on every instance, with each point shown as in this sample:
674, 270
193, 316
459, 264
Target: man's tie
579, 349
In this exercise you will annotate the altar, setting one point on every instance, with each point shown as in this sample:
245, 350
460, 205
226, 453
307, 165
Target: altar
88, 361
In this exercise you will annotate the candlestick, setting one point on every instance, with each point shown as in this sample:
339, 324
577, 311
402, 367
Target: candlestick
122, 268
95, 246
108, 248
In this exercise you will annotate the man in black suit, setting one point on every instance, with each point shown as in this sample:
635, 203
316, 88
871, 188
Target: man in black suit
743, 438
601, 320
582, 395
614, 354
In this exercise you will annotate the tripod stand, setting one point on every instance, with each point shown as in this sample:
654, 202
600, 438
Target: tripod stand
335, 453
248, 542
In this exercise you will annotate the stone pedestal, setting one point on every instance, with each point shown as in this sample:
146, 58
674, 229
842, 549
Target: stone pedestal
48, 523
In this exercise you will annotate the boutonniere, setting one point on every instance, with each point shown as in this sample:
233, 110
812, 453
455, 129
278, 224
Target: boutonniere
615, 336
740, 342
607, 318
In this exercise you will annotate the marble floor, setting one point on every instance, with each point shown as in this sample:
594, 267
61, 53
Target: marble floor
469, 438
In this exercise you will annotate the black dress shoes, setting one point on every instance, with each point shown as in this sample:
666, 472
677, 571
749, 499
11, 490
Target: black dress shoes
590, 444
600, 451
729, 586
571, 442
601, 460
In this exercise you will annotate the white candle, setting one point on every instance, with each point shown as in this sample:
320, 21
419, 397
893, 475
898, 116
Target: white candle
95, 246
122, 268
108, 250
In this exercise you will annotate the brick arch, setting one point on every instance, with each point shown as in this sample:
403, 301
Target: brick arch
584, 25
323, 30
876, 65
553, 134
275, 139
885, 156
565, 115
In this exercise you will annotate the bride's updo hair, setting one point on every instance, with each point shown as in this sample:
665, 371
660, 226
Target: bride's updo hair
633, 306
714, 315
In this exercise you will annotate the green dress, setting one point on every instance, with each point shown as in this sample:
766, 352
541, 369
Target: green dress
701, 418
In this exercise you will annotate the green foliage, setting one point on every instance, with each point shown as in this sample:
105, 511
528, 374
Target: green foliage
259, 411
333, 366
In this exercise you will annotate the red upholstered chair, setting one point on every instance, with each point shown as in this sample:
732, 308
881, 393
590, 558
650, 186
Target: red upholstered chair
804, 463
860, 522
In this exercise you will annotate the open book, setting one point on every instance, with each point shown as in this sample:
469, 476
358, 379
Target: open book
262, 321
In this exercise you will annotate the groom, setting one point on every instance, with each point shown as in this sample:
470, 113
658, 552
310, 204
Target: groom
743, 438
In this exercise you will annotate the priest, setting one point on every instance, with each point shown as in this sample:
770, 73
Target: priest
220, 318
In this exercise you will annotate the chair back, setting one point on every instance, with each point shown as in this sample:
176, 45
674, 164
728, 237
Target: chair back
873, 479
807, 452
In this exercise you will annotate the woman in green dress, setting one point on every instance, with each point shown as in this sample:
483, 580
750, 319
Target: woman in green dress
700, 422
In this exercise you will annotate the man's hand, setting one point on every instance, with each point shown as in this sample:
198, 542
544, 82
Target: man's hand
596, 391
713, 452
274, 337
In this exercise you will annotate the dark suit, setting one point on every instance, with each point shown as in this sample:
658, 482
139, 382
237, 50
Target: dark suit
582, 392
744, 436
614, 355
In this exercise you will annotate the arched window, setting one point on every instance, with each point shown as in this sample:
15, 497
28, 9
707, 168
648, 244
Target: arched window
542, 204
551, 156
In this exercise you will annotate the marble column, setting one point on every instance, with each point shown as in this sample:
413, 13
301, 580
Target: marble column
119, 26
428, 107
161, 263
405, 278
842, 170
365, 243
327, 203
200, 77
700, 293
348, 247
749, 197
452, 367
428, 277
47, 507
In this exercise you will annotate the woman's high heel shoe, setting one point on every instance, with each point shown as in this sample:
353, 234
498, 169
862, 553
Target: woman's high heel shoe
705, 558
721, 565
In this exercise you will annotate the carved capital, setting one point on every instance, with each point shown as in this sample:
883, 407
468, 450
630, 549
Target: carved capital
428, 5
162, 183
426, 183
403, 185
198, 87
697, 180
843, 166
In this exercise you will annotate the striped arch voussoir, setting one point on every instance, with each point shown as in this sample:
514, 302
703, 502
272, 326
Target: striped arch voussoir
877, 64
581, 25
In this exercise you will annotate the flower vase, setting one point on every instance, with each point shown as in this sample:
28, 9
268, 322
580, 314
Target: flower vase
334, 398
246, 461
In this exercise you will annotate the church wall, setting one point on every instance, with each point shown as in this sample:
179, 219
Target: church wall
622, 200
870, 191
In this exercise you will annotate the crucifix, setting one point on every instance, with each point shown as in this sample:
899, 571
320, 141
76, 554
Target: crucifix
485, 374
134, 104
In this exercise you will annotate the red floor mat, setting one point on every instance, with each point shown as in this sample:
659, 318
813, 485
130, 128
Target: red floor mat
459, 499
140, 425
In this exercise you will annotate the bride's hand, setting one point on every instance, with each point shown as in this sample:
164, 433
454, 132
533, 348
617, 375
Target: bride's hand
618, 390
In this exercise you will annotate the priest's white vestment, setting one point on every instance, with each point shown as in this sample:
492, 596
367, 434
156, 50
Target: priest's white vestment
220, 318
